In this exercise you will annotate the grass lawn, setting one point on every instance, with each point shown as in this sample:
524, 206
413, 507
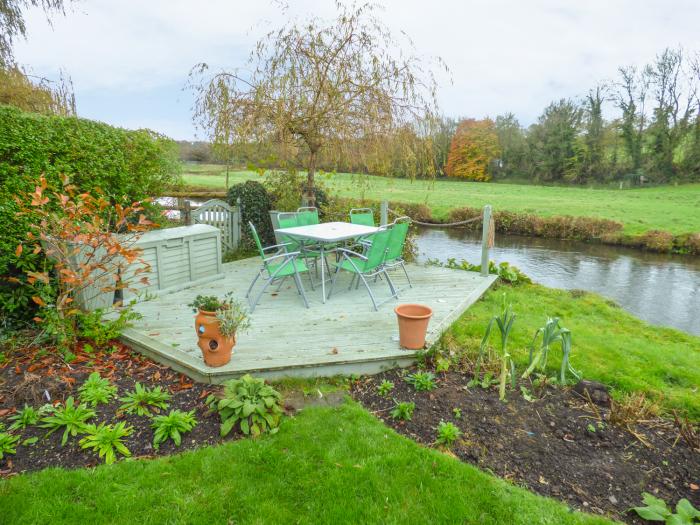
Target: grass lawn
609, 345
668, 208
327, 465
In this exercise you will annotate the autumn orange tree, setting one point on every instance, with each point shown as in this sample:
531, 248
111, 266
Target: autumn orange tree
89, 241
474, 146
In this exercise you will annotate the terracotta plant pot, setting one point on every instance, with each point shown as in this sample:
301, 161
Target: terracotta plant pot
216, 349
413, 324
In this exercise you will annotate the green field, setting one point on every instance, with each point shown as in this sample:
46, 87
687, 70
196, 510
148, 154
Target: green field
670, 208
326, 465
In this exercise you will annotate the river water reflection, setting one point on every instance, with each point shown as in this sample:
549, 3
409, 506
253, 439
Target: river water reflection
661, 289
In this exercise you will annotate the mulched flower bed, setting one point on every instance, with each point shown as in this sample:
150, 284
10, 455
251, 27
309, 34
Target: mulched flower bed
547, 445
35, 377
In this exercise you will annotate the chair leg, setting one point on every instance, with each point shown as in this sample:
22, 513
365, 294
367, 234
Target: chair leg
394, 292
250, 288
300, 287
279, 287
407, 277
335, 278
371, 295
352, 281
255, 303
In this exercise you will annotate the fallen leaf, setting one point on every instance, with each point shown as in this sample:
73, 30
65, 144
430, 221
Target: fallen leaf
693, 486
5, 411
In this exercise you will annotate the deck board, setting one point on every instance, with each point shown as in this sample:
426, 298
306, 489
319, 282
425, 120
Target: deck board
343, 336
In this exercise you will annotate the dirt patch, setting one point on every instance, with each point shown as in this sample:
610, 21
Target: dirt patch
36, 379
554, 445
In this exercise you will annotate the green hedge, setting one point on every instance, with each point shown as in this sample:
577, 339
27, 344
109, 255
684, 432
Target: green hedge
127, 165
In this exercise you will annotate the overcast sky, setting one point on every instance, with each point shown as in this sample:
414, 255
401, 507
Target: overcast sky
129, 59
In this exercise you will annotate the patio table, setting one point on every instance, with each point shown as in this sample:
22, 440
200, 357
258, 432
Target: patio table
327, 233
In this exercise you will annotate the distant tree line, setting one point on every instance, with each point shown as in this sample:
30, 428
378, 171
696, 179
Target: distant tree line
654, 135
643, 125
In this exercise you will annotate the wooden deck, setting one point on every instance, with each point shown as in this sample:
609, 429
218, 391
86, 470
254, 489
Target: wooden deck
343, 336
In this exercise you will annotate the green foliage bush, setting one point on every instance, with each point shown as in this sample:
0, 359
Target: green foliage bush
255, 207
127, 165
106, 440
172, 426
249, 402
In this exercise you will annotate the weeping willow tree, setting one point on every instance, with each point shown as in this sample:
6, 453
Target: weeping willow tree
36, 94
318, 87
13, 24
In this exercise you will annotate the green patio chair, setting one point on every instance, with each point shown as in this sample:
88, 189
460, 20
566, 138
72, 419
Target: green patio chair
276, 267
366, 266
307, 215
397, 241
363, 216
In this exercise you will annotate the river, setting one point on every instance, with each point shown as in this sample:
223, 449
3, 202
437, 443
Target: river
661, 289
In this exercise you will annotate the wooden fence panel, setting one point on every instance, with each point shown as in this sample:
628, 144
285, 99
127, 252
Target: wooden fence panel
219, 214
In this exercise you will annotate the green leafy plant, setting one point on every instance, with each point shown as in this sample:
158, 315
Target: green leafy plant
70, 417
447, 434
442, 364
385, 387
232, 319
26, 417
403, 410
657, 510
505, 271
255, 207
486, 382
504, 322
422, 380
106, 440
209, 303
141, 400
172, 426
100, 329
457, 413
551, 333
8, 444
249, 402
96, 390
527, 394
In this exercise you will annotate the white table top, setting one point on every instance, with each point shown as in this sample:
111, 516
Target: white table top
328, 231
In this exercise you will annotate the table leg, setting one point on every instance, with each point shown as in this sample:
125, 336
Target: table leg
323, 275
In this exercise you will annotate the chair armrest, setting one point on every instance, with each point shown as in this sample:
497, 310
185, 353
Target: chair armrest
291, 255
346, 251
275, 246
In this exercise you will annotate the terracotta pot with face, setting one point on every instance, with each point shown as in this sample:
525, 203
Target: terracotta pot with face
216, 349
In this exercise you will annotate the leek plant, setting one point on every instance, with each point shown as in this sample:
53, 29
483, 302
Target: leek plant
505, 324
552, 332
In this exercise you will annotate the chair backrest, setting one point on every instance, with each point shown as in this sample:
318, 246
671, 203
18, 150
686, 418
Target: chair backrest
307, 215
288, 219
363, 216
397, 239
254, 232
377, 251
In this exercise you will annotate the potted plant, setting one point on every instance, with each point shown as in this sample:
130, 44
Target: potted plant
217, 322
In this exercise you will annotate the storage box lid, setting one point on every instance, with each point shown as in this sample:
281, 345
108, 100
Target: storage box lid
179, 232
